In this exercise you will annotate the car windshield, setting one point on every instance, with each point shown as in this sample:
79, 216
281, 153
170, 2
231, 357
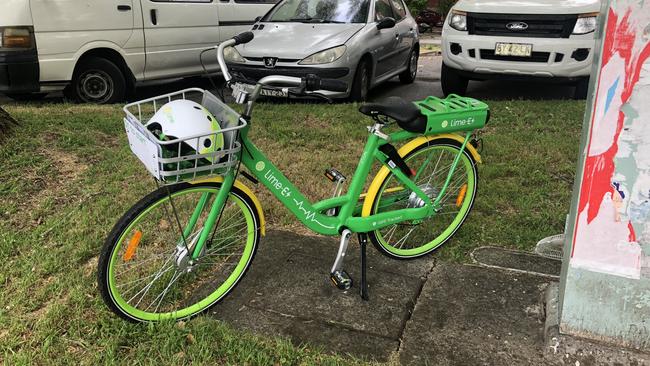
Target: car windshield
320, 11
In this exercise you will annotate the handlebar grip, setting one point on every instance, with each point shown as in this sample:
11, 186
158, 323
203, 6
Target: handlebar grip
313, 82
243, 38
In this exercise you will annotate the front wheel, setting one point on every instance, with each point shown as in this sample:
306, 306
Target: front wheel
432, 161
98, 80
361, 84
146, 272
452, 82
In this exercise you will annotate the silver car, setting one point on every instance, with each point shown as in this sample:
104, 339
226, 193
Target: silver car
361, 42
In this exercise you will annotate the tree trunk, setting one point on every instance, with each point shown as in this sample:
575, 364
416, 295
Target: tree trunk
6, 123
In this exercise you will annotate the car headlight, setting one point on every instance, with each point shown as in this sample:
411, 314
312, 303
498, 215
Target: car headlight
16, 37
230, 54
324, 57
458, 20
586, 23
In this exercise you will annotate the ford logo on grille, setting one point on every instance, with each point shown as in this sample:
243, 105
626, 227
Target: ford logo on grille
517, 26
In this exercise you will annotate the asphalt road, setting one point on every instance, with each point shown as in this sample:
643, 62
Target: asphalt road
427, 83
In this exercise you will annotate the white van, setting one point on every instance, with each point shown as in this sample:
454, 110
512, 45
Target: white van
98, 50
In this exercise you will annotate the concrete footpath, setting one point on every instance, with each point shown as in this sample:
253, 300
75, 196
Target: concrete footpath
420, 312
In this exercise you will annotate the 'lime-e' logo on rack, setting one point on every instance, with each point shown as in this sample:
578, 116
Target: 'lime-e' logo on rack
260, 166
458, 122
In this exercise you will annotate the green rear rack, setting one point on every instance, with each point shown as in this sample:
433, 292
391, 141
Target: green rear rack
453, 114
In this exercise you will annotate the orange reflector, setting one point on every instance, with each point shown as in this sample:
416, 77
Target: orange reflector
133, 245
461, 195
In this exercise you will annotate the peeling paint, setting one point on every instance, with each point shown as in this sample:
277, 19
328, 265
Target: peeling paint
614, 205
606, 275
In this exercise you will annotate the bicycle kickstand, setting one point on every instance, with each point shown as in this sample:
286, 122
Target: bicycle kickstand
339, 276
363, 243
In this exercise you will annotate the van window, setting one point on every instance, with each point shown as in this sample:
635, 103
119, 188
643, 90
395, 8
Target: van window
181, 1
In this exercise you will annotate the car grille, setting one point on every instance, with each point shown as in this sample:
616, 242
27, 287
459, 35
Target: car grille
261, 59
534, 57
539, 25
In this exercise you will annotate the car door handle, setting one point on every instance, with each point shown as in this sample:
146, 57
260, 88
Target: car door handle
123, 8
154, 16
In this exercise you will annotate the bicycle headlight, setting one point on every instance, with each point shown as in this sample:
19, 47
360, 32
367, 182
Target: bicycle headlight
324, 57
231, 55
458, 20
586, 23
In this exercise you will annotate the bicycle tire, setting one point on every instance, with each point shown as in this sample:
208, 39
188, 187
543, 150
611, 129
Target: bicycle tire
196, 303
381, 239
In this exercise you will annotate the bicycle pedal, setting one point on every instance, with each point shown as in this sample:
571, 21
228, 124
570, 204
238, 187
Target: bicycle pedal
342, 280
334, 175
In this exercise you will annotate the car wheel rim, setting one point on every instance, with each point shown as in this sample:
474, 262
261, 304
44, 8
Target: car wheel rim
95, 86
414, 65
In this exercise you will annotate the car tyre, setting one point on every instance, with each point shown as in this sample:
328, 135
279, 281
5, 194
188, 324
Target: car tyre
361, 83
409, 75
98, 80
582, 88
452, 82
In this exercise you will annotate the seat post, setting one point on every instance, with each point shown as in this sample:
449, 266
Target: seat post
376, 130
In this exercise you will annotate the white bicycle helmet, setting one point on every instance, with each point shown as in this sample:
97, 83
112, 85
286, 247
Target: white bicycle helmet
181, 119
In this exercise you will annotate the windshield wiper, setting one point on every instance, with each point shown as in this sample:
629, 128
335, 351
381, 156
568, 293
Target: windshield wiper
307, 20
315, 20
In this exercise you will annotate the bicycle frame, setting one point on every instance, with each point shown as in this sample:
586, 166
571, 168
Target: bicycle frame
313, 215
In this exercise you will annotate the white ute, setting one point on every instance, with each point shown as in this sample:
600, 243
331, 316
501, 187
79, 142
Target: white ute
550, 40
98, 50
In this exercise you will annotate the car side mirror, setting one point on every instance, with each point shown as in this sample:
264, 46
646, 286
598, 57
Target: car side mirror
386, 23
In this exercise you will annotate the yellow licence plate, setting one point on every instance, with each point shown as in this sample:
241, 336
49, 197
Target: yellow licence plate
513, 49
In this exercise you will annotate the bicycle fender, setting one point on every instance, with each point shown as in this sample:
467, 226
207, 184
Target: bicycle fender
403, 151
247, 191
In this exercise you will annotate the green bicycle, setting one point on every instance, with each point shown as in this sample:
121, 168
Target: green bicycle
185, 246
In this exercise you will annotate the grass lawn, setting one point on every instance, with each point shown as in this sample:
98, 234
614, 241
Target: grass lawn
67, 176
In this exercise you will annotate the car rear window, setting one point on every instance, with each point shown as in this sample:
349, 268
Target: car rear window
320, 11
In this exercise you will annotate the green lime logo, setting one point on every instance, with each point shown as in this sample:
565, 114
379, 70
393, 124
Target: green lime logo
260, 166
445, 124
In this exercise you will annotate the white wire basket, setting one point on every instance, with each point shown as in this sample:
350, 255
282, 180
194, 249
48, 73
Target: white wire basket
169, 161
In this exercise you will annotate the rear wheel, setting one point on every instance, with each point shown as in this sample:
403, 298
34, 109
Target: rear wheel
145, 269
432, 161
409, 75
452, 82
361, 82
